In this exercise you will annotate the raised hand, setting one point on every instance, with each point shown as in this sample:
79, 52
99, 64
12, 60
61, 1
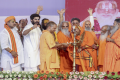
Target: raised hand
58, 11
39, 8
61, 12
90, 10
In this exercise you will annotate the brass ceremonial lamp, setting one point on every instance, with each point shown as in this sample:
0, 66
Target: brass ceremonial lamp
74, 50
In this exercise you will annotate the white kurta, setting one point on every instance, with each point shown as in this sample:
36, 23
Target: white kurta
31, 47
5, 43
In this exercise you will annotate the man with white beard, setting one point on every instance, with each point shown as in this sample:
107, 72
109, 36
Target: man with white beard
106, 12
112, 52
105, 30
88, 24
87, 27
64, 37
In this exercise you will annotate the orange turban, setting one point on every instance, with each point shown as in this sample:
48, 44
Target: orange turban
84, 24
9, 18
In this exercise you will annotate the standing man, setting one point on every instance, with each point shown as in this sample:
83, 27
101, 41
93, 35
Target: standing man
48, 49
102, 46
64, 37
12, 48
31, 43
112, 52
87, 49
88, 24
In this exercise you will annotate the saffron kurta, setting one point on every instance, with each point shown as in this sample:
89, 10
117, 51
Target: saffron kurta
101, 53
48, 55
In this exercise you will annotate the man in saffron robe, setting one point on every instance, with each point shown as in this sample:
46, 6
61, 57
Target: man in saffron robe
87, 25
48, 49
64, 37
87, 50
86, 56
12, 48
102, 46
112, 52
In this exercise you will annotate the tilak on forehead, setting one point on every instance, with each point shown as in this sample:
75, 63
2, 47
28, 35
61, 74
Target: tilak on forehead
107, 5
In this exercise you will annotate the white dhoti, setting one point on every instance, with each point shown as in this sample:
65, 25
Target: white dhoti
31, 48
17, 68
31, 69
7, 62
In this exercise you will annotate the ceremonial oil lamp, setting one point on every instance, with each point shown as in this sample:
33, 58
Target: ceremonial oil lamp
74, 49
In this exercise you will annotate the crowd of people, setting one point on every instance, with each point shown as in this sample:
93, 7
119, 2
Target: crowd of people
49, 46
